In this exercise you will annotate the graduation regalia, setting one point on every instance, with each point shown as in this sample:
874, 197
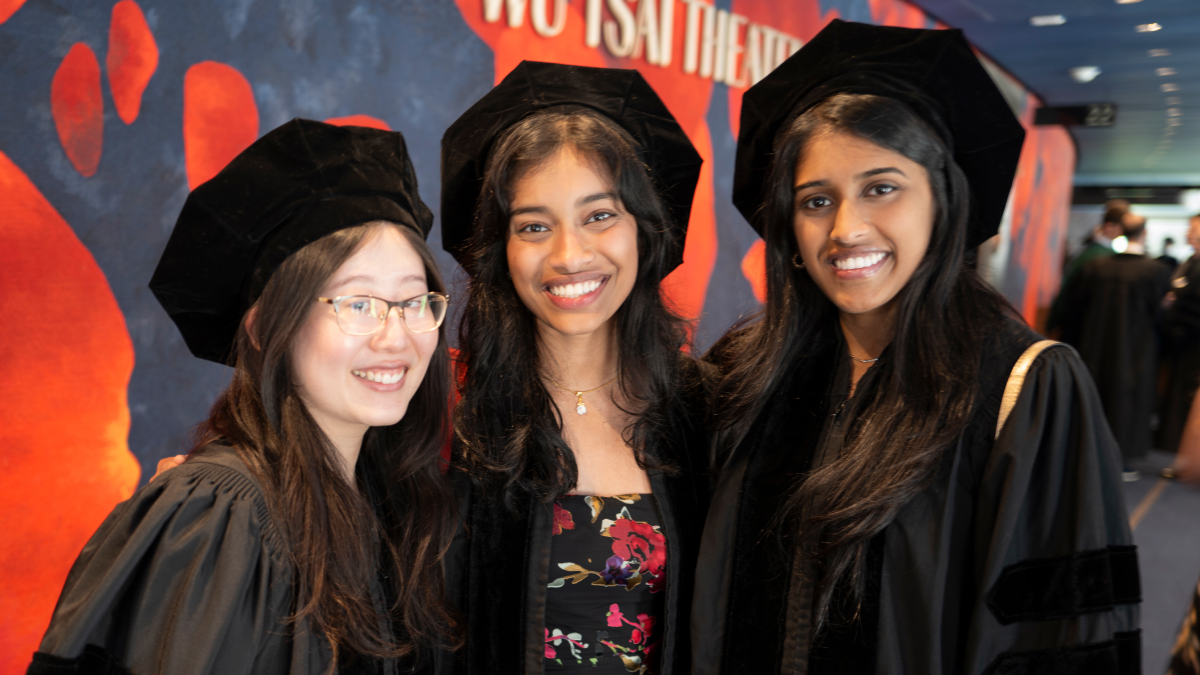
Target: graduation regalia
190, 576
1113, 316
1016, 556
194, 574
499, 566
1017, 559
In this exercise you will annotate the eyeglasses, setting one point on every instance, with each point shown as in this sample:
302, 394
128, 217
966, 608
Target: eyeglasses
364, 314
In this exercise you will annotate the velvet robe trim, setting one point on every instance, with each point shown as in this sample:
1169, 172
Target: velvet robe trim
1066, 586
743, 576
94, 660
1121, 655
497, 568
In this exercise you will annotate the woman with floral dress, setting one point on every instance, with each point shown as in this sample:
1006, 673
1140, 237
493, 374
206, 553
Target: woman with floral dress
580, 446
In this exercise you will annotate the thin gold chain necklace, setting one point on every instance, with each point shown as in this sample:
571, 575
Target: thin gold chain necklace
580, 408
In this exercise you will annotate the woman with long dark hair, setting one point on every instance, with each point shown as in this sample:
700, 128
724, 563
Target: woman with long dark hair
907, 486
579, 433
306, 530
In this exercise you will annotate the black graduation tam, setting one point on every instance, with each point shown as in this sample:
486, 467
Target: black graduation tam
621, 95
933, 71
294, 185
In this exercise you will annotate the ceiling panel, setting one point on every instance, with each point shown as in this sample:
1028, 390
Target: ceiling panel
1142, 147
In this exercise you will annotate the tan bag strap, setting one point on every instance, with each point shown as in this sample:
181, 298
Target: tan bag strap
1016, 380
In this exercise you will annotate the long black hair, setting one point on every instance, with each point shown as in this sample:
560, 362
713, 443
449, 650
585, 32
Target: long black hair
509, 428
926, 390
331, 525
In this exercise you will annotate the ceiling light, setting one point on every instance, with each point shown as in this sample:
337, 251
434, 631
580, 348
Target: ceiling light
1167, 86
1160, 52
1141, 27
1048, 20
1084, 73
1174, 122
1174, 100
1127, 2
1165, 72
1174, 112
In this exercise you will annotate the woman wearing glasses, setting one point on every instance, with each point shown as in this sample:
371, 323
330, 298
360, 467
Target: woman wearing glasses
565, 195
879, 512
305, 532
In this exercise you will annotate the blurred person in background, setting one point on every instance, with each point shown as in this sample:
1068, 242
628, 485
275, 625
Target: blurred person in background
1097, 244
1182, 343
1166, 258
1112, 313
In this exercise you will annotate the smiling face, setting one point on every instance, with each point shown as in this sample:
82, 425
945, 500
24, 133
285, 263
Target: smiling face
863, 220
572, 247
352, 382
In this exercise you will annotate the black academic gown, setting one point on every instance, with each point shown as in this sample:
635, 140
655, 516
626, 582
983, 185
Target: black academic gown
1182, 329
190, 576
1113, 316
498, 567
1017, 558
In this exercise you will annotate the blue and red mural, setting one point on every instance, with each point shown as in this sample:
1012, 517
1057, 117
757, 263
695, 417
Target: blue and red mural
112, 111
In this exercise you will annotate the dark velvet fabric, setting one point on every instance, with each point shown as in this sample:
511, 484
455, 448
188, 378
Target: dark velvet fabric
620, 95
1069, 585
1048, 487
496, 570
1120, 656
296, 184
93, 661
935, 72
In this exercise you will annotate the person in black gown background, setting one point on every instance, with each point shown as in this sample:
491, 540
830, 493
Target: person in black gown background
1113, 316
305, 531
580, 433
873, 514
1182, 330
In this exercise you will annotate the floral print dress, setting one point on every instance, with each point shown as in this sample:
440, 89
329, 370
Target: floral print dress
608, 565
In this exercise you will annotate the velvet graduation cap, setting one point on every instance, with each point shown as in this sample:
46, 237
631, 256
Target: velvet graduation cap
623, 96
291, 187
933, 71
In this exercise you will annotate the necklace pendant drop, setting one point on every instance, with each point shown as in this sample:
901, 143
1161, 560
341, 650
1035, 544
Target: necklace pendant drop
580, 408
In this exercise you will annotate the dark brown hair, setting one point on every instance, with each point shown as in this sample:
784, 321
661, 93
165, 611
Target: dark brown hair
925, 391
509, 427
331, 525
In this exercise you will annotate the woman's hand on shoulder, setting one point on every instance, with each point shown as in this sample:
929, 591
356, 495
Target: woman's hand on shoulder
167, 463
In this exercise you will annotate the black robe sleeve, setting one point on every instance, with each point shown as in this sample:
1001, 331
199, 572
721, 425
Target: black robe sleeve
187, 577
1057, 582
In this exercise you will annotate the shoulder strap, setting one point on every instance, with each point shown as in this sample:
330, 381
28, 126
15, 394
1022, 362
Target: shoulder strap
1016, 380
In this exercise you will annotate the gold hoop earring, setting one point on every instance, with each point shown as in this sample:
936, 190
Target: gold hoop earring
796, 261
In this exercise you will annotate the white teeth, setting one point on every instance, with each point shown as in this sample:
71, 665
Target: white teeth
575, 290
859, 262
381, 378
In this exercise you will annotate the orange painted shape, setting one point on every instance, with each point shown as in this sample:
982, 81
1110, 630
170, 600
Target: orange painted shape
8, 8
78, 109
132, 58
64, 418
687, 287
754, 268
220, 118
359, 121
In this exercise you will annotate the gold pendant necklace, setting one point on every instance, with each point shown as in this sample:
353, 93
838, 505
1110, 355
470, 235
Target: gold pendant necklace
580, 408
